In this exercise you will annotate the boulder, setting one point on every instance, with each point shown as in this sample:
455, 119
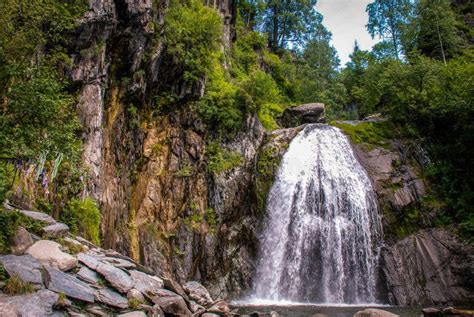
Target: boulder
88, 275
36, 304
67, 284
372, 312
145, 283
136, 313
174, 305
198, 293
431, 312
21, 241
56, 230
171, 284
49, 253
307, 113
219, 307
89, 260
39, 216
120, 280
111, 298
135, 294
25, 267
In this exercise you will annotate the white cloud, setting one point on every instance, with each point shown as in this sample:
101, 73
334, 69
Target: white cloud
346, 19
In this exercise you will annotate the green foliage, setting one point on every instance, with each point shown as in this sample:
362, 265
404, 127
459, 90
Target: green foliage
192, 34
70, 246
16, 286
3, 274
373, 133
185, 171
6, 178
221, 159
83, 217
134, 303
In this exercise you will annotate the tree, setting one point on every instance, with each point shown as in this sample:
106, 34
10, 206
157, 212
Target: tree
387, 19
437, 33
290, 22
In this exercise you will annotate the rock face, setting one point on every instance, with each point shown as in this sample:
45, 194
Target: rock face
429, 267
307, 113
26, 267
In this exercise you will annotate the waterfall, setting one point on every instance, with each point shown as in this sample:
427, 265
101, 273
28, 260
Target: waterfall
320, 239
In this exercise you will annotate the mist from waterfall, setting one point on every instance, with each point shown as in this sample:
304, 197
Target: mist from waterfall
322, 229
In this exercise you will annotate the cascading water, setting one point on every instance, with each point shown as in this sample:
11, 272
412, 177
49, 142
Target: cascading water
321, 235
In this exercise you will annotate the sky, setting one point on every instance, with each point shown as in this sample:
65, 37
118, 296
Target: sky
346, 19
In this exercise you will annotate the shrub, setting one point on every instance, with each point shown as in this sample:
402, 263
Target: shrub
192, 33
220, 159
16, 286
83, 217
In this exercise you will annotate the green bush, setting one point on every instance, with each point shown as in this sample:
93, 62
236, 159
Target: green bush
220, 160
83, 217
192, 35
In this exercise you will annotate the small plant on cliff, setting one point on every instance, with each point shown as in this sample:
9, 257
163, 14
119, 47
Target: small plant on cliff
192, 33
16, 286
220, 159
83, 217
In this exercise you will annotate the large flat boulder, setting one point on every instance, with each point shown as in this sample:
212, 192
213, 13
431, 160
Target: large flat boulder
67, 284
145, 283
307, 113
120, 280
56, 230
36, 304
39, 216
372, 312
25, 267
111, 298
49, 253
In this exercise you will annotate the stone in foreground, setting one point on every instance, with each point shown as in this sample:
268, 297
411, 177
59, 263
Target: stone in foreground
120, 280
49, 253
69, 285
371, 312
36, 304
198, 293
111, 298
21, 241
25, 267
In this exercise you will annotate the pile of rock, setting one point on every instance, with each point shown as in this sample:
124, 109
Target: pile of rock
95, 282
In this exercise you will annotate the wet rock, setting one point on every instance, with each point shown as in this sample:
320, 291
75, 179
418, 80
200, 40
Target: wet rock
56, 230
21, 241
198, 293
88, 275
146, 284
67, 284
430, 267
39, 216
111, 298
135, 295
431, 312
196, 308
26, 267
371, 312
49, 253
307, 113
136, 313
219, 307
172, 305
36, 304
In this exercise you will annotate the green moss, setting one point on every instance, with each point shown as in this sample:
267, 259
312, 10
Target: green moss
71, 247
185, 171
372, 133
134, 303
3, 274
83, 217
10, 221
220, 159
